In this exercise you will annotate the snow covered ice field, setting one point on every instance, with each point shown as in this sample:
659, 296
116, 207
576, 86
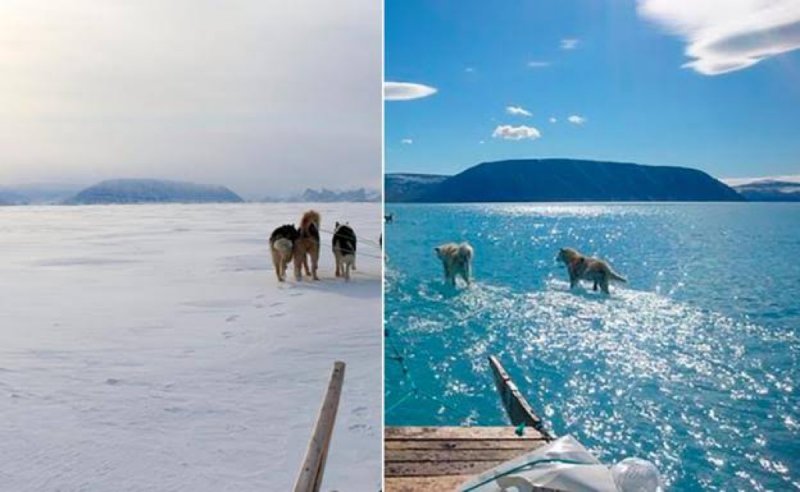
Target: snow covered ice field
150, 347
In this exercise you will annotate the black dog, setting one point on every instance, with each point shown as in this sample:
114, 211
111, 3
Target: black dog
281, 245
344, 249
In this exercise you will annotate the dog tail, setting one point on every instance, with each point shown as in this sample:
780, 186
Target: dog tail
615, 276
283, 246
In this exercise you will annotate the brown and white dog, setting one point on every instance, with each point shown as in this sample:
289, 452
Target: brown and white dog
582, 267
456, 260
281, 246
307, 244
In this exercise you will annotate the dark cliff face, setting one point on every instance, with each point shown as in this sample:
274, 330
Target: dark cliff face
548, 180
153, 191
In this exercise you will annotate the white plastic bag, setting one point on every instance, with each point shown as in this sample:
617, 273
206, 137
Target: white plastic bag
566, 465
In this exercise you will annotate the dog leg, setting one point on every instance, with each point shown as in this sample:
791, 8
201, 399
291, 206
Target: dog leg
314, 262
604, 285
284, 264
276, 263
338, 263
305, 265
298, 265
594, 287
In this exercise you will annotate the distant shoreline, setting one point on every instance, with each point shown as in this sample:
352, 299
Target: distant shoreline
578, 180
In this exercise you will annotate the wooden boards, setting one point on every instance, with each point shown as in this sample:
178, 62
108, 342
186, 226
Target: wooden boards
310, 477
442, 458
517, 407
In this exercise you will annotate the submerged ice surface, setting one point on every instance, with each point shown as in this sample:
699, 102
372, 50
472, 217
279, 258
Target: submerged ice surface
149, 347
693, 364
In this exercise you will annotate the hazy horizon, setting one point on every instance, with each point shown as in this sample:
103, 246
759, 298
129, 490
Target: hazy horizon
263, 98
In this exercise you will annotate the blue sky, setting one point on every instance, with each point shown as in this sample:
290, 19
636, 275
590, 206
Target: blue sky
619, 66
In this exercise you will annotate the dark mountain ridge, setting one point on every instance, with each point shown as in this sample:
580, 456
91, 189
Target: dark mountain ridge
550, 180
152, 191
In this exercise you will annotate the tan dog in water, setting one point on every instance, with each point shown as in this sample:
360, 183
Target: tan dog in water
582, 267
456, 260
307, 243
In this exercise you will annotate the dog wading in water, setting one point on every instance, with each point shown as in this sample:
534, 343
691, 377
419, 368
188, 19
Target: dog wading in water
582, 267
456, 260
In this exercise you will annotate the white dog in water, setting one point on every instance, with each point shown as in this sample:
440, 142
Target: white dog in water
456, 260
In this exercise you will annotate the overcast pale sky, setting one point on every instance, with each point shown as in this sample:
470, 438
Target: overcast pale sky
265, 97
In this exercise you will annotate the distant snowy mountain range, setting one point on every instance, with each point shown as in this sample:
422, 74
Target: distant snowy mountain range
771, 189
42, 193
419, 187
328, 196
159, 191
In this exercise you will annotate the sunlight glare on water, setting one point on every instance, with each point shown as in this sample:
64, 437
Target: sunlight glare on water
691, 365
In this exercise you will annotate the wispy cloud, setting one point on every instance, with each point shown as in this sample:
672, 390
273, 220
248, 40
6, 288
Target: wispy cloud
508, 132
552, 119
517, 111
576, 119
570, 43
538, 64
407, 141
470, 69
406, 91
727, 35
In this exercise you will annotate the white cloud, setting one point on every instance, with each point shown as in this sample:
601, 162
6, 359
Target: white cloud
553, 119
538, 64
727, 35
482, 142
509, 132
569, 43
517, 111
469, 70
405, 91
576, 119
407, 141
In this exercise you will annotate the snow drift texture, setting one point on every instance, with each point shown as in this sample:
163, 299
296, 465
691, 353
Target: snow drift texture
149, 347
